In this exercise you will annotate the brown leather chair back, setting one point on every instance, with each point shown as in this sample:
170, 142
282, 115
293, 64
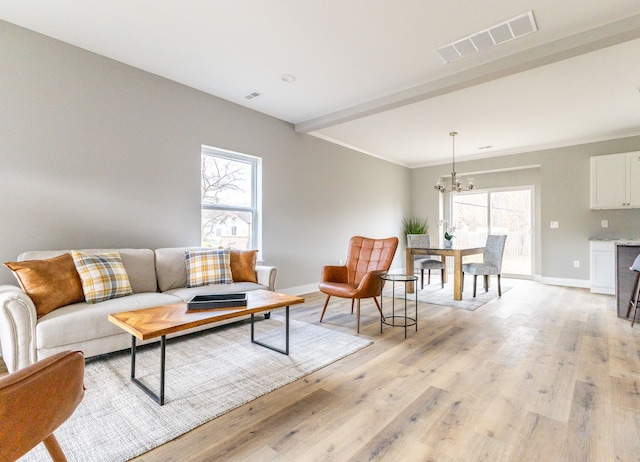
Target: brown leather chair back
37, 399
367, 255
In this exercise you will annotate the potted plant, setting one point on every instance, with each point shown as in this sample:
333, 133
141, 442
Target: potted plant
448, 230
416, 229
447, 239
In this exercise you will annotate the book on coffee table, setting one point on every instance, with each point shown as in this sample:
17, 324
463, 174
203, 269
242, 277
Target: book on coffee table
217, 302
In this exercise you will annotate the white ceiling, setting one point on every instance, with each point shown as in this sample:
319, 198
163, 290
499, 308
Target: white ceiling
367, 73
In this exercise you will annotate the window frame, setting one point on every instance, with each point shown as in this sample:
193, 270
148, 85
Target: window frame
256, 201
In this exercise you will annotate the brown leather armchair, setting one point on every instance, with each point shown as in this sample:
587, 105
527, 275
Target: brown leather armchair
36, 400
360, 277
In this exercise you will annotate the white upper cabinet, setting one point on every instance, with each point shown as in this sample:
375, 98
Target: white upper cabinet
633, 178
615, 181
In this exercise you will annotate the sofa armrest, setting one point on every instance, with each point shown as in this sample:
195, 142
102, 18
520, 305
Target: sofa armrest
267, 276
17, 328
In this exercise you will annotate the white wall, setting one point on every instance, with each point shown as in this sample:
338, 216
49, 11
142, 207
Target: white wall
94, 153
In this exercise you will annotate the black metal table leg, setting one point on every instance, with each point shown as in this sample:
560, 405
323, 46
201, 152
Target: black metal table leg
157, 398
398, 320
279, 350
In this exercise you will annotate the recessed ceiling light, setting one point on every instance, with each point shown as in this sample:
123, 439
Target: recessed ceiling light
288, 78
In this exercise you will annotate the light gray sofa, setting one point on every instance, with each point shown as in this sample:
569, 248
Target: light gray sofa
157, 277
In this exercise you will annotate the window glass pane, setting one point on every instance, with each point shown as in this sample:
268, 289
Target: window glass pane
470, 219
225, 228
511, 215
226, 182
229, 202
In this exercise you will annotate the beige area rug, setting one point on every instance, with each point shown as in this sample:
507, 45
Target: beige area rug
207, 375
435, 295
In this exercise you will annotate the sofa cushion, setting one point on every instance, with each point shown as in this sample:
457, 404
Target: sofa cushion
81, 322
205, 267
50, 283
243, 265
139, 264
103, 276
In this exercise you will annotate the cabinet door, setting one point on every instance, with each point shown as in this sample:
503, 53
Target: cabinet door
633, 178
602, 267
608, 188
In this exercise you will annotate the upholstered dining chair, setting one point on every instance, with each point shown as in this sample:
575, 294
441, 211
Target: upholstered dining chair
423, 241
360, 277
36, 400
491, 263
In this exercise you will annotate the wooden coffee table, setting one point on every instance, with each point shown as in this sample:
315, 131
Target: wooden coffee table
158, 321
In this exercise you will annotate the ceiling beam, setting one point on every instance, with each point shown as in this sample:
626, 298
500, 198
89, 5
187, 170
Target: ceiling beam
605, 36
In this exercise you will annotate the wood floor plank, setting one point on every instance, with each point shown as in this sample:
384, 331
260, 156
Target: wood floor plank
541, 439
624, 350
516, 345
625, 396
392, 440
503, 415
268, 430
571, 335
589, 430
593, 363
346, 438
555, 384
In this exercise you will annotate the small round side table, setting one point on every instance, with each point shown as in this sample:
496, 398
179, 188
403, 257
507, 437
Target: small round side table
399, 320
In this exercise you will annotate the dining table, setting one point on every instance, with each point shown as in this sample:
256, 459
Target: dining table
458, 253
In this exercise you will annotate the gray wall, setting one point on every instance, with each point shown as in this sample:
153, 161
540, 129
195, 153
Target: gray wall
94, 153
561, 193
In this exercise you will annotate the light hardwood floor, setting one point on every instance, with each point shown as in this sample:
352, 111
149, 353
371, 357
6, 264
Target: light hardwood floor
545, 373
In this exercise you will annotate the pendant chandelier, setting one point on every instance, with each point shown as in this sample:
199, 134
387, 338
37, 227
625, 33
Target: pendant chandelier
456, 185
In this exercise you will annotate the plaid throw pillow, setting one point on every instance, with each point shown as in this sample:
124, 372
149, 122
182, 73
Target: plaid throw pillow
206, 267
103, 276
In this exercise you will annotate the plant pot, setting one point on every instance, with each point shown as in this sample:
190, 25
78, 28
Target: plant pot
418, 241
448, 244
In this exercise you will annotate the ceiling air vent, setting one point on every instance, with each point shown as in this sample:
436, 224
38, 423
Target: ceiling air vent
500, 33
253, 94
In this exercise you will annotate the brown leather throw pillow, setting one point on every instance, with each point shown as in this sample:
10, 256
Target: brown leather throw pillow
50, 283
243, 265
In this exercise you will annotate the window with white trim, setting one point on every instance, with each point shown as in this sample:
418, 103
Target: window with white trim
229, 199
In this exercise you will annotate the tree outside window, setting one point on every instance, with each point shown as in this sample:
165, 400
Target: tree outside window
229, 199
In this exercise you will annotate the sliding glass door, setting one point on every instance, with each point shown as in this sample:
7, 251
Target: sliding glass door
510, 212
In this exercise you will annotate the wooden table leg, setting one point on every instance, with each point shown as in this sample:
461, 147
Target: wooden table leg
457, 277
444, 269
408, 269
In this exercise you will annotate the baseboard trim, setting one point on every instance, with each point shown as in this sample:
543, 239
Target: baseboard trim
581, 283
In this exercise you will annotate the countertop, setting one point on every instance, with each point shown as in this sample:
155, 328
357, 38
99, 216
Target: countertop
618, 240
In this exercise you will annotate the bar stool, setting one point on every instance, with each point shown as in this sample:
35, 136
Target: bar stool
635, 293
